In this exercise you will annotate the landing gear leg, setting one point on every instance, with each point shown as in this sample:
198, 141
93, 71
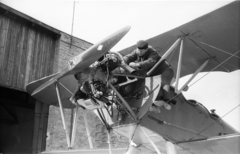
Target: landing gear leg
74, 126
170, 148
62, 115
109, 141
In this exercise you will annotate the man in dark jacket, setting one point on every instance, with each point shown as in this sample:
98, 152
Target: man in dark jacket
144, 58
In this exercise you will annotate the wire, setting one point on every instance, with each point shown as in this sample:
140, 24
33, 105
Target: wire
216, 67
86, 138
232, 55
207, 73
218, 49
216, 120
65, 87
212, 70
207, 53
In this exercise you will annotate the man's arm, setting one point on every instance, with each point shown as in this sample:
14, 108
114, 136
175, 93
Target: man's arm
130, 57
150, 62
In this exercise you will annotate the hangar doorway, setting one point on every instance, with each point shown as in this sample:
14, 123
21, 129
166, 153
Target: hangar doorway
23, 123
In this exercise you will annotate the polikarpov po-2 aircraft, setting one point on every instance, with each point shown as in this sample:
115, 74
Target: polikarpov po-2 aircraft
208, 43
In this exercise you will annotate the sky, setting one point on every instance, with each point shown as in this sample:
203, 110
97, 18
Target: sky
94, 20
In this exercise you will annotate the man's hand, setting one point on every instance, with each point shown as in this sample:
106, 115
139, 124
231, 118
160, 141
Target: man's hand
134, 65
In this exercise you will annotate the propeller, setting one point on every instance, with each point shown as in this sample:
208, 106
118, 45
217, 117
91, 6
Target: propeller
86, 58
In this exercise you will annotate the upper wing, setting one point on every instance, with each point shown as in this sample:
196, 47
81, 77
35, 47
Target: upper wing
214, 36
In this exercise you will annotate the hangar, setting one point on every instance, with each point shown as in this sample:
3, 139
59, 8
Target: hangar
29, 50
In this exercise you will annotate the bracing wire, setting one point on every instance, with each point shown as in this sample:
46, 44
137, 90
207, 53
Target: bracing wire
87, 138
216, 121
209, 72
216, 67
218, 49
232, 55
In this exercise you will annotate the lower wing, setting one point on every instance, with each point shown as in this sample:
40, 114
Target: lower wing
227, 144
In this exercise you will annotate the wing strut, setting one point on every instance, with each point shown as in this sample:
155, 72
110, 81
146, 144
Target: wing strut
179, 70
151, 141
171, 148
87, 130
132, 114
109, 141
164, 56
70, 142
62, 115
192, 77
74, 126
179, 66
109, 129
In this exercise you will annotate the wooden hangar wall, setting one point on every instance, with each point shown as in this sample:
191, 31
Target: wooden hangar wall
29, 50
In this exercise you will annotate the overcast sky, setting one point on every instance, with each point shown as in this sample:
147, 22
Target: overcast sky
94, 20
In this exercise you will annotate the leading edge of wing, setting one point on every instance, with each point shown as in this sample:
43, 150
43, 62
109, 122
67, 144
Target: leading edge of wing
229, 144
86, 58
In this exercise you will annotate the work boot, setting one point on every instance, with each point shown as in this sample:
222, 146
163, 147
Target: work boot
155, 109
167, 106
161, 103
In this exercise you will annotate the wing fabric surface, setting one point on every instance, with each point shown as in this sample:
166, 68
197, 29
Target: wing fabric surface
48, 95
214, 36
45, 91
228, 144
87, 151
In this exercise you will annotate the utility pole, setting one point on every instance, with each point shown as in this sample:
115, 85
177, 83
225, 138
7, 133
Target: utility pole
72, 110
72, 23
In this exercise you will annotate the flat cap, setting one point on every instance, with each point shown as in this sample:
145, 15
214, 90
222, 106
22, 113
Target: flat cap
142, 44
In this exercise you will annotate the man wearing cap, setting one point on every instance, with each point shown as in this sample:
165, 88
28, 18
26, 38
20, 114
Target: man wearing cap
144, 58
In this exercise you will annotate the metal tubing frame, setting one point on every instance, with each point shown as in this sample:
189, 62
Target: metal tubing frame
152, 143
170, 148
124, 102
62, 114
87, 130
179, 70
73, 135
193, 76
165, 55
179, 66
109, 141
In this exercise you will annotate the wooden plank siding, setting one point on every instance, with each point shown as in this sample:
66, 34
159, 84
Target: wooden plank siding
29, 52
26, 54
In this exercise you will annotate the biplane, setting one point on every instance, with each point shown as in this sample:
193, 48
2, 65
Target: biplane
208, 43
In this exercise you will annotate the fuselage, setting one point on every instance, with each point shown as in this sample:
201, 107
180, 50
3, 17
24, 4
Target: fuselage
186, 121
